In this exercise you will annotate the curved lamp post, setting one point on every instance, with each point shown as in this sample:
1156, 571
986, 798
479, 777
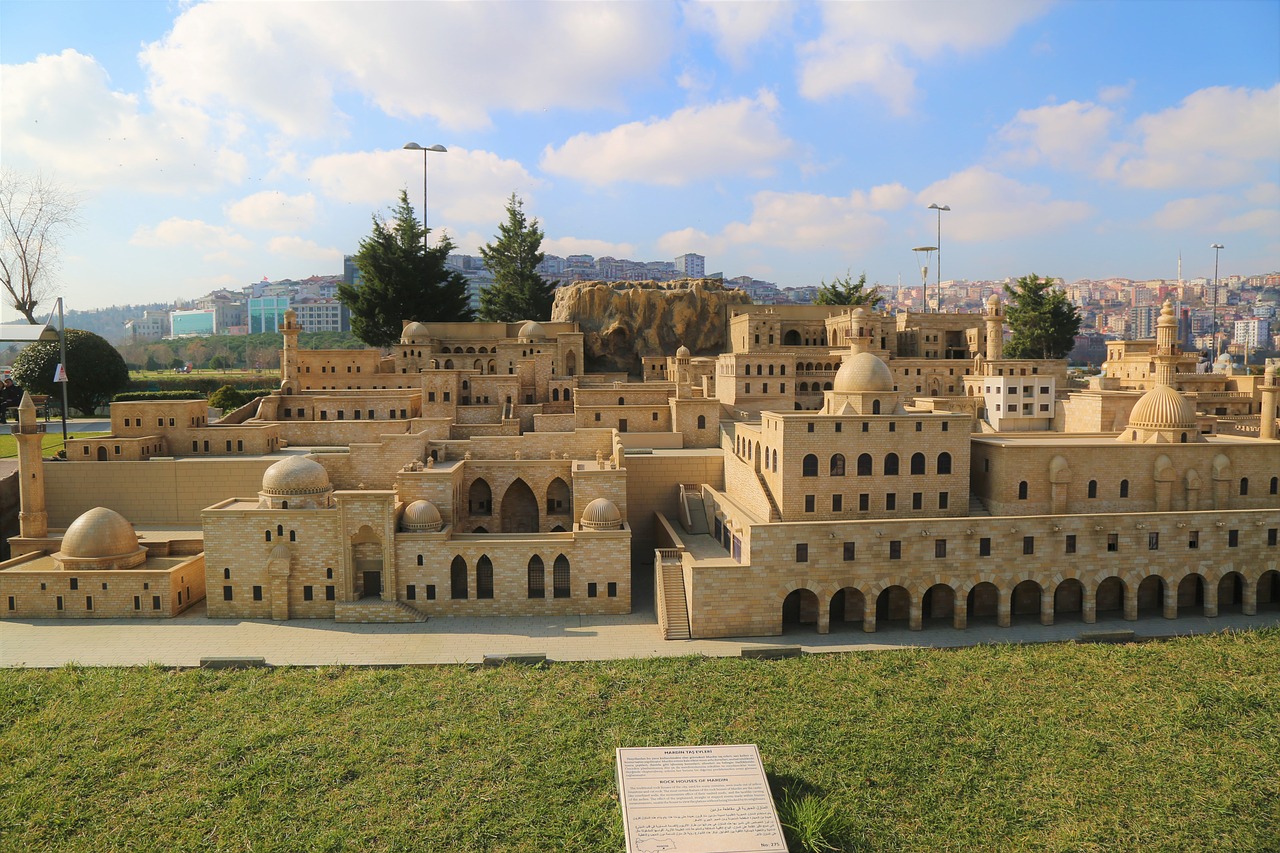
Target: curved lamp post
1217, 247
939, 208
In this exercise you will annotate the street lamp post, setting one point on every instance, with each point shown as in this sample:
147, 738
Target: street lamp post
922, 254
939, 208
1217, 247
438, 149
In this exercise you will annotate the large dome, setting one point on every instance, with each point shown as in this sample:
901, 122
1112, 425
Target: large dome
421, 517
1163, 408
863, 373
296, 475
414, 333
100, 532
533, 331
601, 514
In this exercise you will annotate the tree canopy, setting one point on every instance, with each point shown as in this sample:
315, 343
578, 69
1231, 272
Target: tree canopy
846, 291
517, 292
1042, 321
403, 280
95, 370
35, 214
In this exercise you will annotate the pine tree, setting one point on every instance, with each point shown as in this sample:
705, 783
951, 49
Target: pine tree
846, 291
403, 280
517, 292
1042, 321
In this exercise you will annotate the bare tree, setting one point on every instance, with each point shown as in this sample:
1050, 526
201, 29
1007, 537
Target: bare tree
35, 214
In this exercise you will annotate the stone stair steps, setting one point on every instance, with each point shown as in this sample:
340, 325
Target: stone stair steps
677, 621
376, 611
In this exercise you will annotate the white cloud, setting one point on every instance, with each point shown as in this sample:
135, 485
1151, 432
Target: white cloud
193, 233
876, 46
1220, 213
694, 143
1217, 137
1066, 135
1116, 94
989, 206
300, 249
59, 113
274, 211
462, 185
455, 62
564, 246
737, 27
799, 220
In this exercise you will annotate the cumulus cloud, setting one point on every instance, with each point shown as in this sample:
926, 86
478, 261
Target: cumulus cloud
194, 233
1221, 213
564, 246
59, 112
273, 210
990, 206
876, 47
462, 185
300, 249
694, 143
1066, 135
287, 62
737, 27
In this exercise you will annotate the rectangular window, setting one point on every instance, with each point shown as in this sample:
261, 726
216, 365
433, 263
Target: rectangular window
802, 553
1071, 543
1153, 541
864, 502
891, 501
837, 503
1113, 542
809, 503
917, 500
1193, 539
893, 427
13, 604
838, 424
446, 396
944, 426
939, 548
227, 594
809, 427
591, 590
1028, 544
919, 426
944, 500
257, 593
155, 602
75, 583
330, 593
895, 549
411, 592
866, 427
1233, 538
984, 547
1271, 536
613, 589
88, 602
850, 551
431, 592
137, 602
59, 602
308, 593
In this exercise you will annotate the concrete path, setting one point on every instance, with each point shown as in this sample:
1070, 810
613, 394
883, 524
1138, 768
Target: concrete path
183, 641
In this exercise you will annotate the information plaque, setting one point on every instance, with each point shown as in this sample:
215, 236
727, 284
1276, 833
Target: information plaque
697, 799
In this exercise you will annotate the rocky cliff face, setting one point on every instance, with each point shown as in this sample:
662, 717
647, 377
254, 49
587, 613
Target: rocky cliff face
623, 321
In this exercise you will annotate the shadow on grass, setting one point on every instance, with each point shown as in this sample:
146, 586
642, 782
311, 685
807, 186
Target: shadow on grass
811, 822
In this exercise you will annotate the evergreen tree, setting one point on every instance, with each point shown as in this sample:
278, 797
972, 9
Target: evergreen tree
517, 292
403, 280
846, 291
1042, 321
96, 372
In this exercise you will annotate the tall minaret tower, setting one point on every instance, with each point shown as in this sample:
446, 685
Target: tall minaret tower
289, 358
1270, 393
1166, 355
995, 328
33, 521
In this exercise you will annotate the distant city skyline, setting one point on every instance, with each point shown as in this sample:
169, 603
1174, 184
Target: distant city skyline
215, 144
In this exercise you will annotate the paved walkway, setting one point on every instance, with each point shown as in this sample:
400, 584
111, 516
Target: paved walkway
183, 641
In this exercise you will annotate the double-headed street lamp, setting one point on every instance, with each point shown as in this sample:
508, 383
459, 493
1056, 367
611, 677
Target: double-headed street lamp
922, 256
1217, 247
938, 208
438, 149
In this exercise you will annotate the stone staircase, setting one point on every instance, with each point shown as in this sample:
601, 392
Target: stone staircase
376, 611
775, 514
693, 509
977, 507
673, 615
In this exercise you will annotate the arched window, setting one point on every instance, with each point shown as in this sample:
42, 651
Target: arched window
775, 470
293, 536
268, 536
484, 577
1124, 488
1244, 486
1275, 485
1022, 490
537, 578
837, 465
917, 463
622, 401
891, 464
944, 463
1093, 488
555, 395
702, 421
480, 501
864, 465
875, 407
560, 577
279, 529
759, 370
419, 559
809, 467
458, 578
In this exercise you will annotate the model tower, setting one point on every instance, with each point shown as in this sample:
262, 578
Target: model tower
33, 521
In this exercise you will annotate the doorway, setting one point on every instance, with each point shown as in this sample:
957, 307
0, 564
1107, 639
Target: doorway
372, 584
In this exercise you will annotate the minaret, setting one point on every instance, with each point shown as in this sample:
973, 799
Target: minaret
995, 328
1166, 354
33, 521
1270, 392
289, 358
861, 333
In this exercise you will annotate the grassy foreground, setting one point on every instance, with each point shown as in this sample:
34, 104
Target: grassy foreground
51, 442
1164, 746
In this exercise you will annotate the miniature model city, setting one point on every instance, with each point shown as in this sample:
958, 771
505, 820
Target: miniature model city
833, 468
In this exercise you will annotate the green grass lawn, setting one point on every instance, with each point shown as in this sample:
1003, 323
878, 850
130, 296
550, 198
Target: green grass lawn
51, 443
1169, 746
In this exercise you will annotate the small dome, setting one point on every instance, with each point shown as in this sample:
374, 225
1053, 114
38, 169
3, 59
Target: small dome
414, 333
862, 373
683, 352
296, 475
421, 517
601, 514
1166, 315
99, 533
1163, 408
533, 330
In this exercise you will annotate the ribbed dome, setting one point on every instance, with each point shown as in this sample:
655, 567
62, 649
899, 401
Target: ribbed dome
863, 373
100, 532
421, 517
533, 330
601, 514
1163, 408
414, 333
683, 352
296, 475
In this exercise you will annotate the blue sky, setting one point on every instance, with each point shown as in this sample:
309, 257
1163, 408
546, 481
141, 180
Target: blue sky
213, 144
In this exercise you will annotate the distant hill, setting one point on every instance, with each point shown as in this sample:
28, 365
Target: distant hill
109, 322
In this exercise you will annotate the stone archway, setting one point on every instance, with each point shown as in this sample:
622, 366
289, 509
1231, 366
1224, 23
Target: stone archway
939, 602
1025, 599
519, 509
983, 601
1231, 593
1191, 593
799, 608
366, 563
1068, 598
893, 606
848, 606
1151, 595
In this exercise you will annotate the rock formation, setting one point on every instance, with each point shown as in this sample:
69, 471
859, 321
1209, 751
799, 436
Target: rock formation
622, 321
